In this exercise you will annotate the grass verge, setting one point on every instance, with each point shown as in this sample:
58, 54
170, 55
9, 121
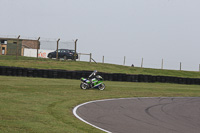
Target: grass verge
45, 105
28, 62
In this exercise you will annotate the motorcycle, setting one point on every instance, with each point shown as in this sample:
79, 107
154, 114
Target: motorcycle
93, 81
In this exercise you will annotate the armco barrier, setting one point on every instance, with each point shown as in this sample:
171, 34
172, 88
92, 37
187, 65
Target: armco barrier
30, 72
19, 71
14, 71
46, 73
68, 74
24, 72
9, 71
2, 70
107, 76
135, 78
129, 78
61, 74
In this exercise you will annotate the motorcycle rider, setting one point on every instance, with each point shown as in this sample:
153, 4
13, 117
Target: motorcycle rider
92, 76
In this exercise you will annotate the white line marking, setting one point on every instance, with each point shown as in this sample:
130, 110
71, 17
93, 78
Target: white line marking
75, 109
74, 112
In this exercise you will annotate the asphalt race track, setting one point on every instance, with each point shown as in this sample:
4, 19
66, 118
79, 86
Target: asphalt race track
142, 115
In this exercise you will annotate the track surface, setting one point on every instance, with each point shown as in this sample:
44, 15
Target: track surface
143, 115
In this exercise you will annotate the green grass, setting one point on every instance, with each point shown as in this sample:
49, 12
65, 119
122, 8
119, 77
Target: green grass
28, 62
45, 105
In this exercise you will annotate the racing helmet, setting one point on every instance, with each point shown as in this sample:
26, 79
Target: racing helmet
95, 71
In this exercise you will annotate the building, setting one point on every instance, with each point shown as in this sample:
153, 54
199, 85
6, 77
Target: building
8, 46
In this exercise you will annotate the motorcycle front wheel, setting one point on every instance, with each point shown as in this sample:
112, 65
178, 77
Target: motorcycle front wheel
84, 86
101, 87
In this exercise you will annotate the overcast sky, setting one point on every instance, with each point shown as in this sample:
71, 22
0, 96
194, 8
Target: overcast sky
152, 29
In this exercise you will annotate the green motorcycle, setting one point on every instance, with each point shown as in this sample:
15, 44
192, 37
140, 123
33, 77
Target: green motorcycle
93, 81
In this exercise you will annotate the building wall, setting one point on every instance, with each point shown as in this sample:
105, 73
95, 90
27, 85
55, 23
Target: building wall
12, 47
11, 44
33, 53
1, 47
33, 44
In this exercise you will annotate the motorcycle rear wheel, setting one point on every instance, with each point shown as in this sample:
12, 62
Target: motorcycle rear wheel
84, 86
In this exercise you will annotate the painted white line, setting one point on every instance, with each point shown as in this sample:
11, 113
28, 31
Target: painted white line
74, 112
75, 109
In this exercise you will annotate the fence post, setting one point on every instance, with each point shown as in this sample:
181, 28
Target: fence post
124, 60
103, 60
17, 47
180, 66
75, 49
142, 63
57, 49
90, 57
162, 64
79, 57
38, 46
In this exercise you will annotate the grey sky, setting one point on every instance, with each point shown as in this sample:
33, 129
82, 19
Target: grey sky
152, 29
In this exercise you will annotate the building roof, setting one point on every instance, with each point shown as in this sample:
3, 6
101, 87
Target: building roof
3, 38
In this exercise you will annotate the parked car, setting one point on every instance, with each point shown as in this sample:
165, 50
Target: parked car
63, 53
